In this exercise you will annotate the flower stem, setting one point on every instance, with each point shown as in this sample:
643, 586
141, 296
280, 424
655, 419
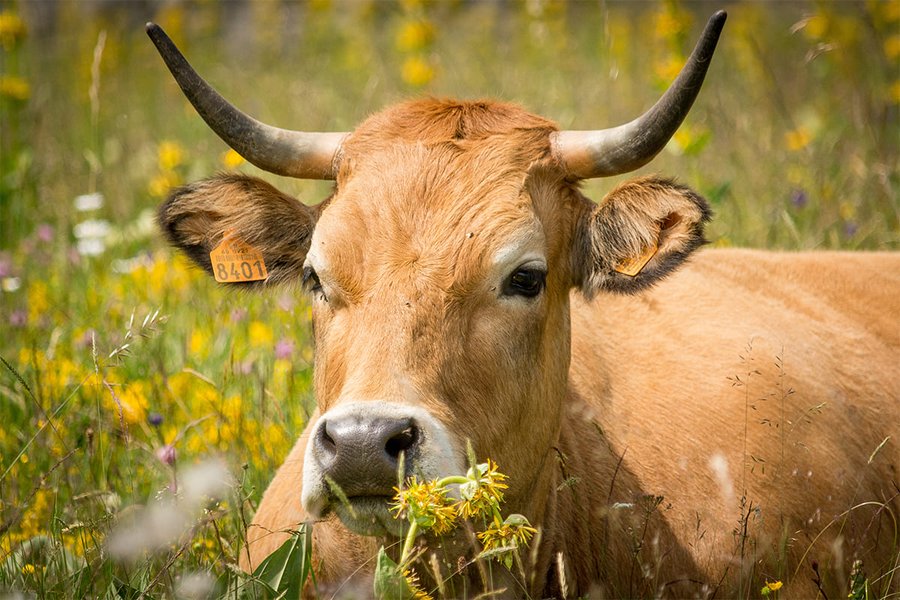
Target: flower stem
408, 544
453, 479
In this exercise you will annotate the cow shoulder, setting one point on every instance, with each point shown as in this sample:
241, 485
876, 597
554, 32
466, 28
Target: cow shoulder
196, 218
641, 231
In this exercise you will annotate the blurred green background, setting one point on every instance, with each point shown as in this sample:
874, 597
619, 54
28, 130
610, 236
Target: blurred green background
121, 363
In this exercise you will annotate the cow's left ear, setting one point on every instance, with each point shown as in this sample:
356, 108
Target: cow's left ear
268, 225
641, 231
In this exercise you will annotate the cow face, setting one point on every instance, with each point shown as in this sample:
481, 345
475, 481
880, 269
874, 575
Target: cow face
439, 273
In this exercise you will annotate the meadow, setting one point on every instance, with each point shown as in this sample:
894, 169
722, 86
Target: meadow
127, 376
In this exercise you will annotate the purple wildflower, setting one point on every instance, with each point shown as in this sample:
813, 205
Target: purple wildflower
238, 315
284, 349
166, 454
44, 233
850, 228
18, 318
155, 419
799, 198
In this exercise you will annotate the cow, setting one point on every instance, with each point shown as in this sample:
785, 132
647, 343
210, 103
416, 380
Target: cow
673, 421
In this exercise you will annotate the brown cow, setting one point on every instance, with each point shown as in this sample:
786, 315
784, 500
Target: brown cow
691, 434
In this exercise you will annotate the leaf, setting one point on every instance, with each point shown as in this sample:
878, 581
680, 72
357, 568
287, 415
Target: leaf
390, 584
285, 570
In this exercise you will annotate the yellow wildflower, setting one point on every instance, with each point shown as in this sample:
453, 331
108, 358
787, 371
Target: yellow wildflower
38, 300
129, 404
161, 184
199, 343
261, 335
815, 27
427, 505
797, 139
412, 580
894, 92
414, 35
668, 69
670, 23
483, 493
12, 29
28, 569
501, 540
170, 155
231, 159
14, 88
417, 72
770, 587
847, 211
892, 46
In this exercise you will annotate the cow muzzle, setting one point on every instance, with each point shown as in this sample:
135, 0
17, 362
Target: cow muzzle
359, 452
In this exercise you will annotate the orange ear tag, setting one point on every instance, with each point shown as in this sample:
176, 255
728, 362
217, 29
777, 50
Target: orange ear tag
236, 261
633, 266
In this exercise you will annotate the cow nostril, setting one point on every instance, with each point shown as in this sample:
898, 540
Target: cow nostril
402, 441
326, 441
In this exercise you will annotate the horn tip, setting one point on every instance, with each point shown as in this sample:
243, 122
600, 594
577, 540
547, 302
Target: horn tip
718, 18
151, 28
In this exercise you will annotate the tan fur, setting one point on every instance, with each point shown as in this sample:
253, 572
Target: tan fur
429, 193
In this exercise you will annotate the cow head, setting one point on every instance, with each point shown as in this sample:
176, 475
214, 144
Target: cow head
439, 272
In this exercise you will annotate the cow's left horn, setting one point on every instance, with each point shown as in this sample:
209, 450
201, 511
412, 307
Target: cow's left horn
621, 149
283, 152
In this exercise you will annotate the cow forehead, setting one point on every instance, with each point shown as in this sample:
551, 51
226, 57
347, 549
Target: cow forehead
440, 209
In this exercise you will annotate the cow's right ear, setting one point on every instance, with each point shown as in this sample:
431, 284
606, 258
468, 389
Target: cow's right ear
196, 217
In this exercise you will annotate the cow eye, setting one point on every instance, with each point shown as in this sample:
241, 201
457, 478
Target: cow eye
312, 284
525, 281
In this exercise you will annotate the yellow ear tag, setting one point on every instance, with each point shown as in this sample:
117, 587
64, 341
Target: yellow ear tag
633, 266
236, 261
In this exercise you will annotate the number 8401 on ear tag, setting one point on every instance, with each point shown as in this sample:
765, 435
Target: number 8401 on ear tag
236, 261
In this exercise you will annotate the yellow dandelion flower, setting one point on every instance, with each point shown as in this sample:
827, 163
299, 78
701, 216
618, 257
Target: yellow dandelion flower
170, 155
771, 586
14, 88
199, 343
668, 24
414, 35
417, 72
797, 139
891, 11
816, 26
38, 300
261, 335
231, 159
160, 185
892, 46
668, 69
12, 29
894, 92
847, 211
28, 569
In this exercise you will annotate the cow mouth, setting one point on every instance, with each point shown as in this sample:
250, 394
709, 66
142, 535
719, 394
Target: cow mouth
368, 515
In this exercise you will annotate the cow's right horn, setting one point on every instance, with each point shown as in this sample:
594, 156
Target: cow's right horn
605, 152
283, 152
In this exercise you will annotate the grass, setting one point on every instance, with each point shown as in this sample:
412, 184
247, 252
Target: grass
123, 367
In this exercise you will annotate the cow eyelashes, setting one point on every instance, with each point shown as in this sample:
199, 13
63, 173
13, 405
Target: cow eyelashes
312, 284
525, 281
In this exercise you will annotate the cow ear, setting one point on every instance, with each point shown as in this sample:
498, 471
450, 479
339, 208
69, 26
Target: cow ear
642, 231
197, 217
